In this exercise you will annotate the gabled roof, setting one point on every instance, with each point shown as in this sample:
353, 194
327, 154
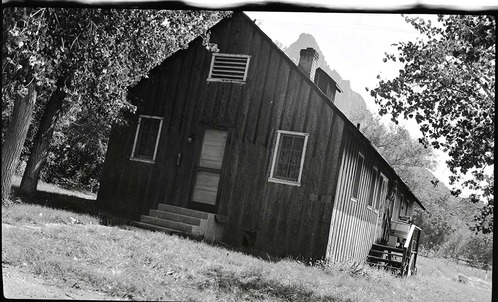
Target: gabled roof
329, 102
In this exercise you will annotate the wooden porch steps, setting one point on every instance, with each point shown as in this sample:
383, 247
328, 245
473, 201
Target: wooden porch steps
380, 247
386, 261
386, 257
173, 220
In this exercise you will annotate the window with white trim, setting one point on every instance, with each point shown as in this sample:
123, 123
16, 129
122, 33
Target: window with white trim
402, 205
373, 185
288, 158
381, 190
146, 138
357, 176
229, 68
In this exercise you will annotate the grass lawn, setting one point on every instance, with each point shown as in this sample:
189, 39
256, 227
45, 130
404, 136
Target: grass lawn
72, 250
44, 187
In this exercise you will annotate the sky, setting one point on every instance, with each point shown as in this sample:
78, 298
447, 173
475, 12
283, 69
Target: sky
350, 4
354, 45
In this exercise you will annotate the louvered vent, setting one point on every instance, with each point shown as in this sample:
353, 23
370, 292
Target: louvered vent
229, 68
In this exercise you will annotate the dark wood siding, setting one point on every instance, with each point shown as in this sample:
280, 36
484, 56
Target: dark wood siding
313, 220
276, 96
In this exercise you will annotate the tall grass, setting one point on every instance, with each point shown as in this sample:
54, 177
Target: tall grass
143, 265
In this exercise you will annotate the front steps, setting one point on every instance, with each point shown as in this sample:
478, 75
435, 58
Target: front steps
183, 221
387, 257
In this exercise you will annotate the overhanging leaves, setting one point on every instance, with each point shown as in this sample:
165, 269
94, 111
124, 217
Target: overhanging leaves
448, 85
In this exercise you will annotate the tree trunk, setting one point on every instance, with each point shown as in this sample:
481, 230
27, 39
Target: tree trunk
41, 143
16, 135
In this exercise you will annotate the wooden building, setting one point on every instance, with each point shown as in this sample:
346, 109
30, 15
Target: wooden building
245, 147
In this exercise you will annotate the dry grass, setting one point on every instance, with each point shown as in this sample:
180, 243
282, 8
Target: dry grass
71, 249
26, 214
435, 267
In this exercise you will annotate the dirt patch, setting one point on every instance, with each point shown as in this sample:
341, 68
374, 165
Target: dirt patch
18, 284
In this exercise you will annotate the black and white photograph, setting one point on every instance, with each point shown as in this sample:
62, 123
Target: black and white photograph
248, 151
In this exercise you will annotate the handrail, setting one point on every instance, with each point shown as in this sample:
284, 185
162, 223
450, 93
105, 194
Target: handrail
410, 235
409, 262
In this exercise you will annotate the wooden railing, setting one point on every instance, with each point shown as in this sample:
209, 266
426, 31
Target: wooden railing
410, 251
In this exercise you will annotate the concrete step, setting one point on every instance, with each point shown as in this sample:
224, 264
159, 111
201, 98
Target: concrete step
182, 211
179, 226
157, 228
175, 217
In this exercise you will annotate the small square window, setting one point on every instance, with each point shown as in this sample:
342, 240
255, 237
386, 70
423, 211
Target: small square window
146, 138
288, 159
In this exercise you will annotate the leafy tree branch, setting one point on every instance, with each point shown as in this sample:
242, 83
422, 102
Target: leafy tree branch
447, 85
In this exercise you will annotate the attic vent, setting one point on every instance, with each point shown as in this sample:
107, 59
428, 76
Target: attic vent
229, 68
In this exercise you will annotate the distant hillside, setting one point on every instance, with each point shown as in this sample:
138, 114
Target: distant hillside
348, 101
459, 210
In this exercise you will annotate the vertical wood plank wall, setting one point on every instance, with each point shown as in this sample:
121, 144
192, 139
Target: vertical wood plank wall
352, 227
288, 220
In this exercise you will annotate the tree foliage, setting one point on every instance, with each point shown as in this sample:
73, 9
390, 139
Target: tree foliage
479, 250
22, 60
395, 144
90, 57
445, 224
436, 229
447, 85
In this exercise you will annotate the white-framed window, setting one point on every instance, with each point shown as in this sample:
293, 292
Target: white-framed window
402, 205
229, 68
357, 177
373, 186
146, 138
288, 158
381, 190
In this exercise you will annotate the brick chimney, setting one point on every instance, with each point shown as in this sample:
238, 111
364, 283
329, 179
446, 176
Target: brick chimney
309, 62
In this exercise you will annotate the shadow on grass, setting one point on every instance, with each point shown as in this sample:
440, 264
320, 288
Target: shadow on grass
82, 205
61, 201
253, 285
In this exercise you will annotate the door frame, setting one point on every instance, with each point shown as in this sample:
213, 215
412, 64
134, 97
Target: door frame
197, 155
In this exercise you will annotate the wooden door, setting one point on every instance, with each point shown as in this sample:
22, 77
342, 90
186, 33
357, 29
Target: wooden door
380, 205
208, 171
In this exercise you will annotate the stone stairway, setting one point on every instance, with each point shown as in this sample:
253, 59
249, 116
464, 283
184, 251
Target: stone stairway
387, 257
178, 220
